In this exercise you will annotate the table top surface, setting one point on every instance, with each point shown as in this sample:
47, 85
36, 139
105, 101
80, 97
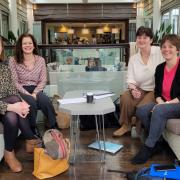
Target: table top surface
98, 107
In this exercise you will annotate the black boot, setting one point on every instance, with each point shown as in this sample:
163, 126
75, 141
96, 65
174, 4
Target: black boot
143, 155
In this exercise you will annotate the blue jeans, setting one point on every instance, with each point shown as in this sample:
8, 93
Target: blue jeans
155, 121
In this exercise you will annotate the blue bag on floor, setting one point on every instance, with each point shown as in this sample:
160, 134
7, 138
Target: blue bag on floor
151, 174
143, 174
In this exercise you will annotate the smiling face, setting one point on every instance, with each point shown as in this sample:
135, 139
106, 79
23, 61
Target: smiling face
27, 45
143, 41
168, 50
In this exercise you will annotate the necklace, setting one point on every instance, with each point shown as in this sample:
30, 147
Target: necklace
29, 64
145, 57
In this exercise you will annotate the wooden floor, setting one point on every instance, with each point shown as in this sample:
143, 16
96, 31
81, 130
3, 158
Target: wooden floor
84, 170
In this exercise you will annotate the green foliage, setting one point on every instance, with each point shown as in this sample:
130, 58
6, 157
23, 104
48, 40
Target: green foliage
11, 37
162, 32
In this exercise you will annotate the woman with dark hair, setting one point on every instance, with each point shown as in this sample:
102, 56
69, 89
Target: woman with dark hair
30, 77
91, 64
167, 95
140, 78
13, 113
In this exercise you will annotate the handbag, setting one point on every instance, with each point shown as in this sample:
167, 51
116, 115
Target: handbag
62, 118
45, 166
56, 146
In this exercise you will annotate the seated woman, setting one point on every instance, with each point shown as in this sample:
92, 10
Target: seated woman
69, 60
167, 95
30, 77
93, 66
13, 113
140, 79
91, 63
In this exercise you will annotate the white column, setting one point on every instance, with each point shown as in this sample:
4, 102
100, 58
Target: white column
156, 15
140, 15
30, 17
13, 17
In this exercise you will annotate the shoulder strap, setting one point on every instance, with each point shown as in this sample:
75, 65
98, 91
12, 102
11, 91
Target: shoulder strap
58, 138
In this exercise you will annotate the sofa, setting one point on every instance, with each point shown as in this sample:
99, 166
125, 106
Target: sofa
172, 135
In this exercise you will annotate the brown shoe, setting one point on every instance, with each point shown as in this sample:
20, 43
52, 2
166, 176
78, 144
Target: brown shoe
33, 143
12, 161
121, 131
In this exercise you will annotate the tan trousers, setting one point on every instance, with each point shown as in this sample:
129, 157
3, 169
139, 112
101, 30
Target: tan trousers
128, 105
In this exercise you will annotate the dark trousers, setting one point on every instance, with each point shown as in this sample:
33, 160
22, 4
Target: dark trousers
42, 102
12, 122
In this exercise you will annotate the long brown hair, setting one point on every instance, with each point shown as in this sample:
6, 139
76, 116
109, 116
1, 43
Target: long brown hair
2, 53
19, 57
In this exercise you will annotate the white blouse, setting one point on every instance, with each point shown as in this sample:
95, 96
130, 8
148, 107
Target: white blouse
142, 75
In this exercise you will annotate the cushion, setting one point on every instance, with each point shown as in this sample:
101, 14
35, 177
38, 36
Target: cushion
1, 128
173, 125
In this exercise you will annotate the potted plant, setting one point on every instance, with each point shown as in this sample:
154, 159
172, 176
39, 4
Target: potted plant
11, 37
162, 32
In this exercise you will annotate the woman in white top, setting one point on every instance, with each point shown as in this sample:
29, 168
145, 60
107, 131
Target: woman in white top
140, 78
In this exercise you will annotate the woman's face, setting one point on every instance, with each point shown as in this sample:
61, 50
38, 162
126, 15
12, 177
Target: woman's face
91, 63
169, 51
27, 45
143, 41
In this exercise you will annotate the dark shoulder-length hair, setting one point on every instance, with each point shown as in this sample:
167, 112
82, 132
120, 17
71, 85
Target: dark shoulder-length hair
18, 55
2, 52
144, 31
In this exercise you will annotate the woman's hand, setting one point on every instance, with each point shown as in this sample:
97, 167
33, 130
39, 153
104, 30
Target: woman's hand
131, 86
33, 95
159, 100
21, 108
136, 93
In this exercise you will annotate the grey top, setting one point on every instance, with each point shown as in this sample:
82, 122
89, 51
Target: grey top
98, 107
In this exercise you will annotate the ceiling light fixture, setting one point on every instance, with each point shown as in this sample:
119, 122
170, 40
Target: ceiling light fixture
85, 30
99, 31
63, 29
106, 28
70, 31
115, 30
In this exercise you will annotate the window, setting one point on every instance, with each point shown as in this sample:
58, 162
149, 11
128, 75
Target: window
5, 25
166, 19
22, 27
172, 16
175, 20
